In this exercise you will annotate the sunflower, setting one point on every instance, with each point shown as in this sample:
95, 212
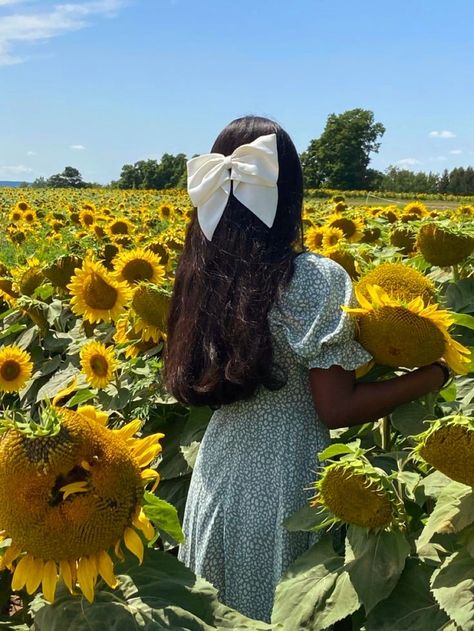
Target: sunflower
7, 292
352, 491
399, 281
86, 217
96, 294
98, 363
371, 234
28, 277
67, 499
133, 343
448, 445
119, 226
404, 239
151, 304
443, 246
138, 265
160, 249
332, 237
341, 255
60, 272
166, 211
313, 238
415, 210
410, 334
353, 229
15, 368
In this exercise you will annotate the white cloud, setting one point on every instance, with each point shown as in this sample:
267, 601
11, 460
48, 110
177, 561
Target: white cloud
408, 162
455, 152
31, 153
438, 159
442, 134
19, 169
77, 147
36, 25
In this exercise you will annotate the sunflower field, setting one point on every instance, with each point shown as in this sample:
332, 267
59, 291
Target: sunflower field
96, 457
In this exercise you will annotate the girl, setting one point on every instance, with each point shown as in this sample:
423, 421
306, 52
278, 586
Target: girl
256, 331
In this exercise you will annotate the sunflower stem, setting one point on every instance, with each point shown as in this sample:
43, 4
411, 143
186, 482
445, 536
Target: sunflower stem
385, 433
455, 272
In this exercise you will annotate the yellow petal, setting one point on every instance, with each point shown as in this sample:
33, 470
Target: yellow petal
118, 551
66, 573
65, 391
74, 487
106, 568
147, 456
10, 555
142, 522
127, 431
21, 573
50, 578
87, 576
143, 444
35, 575
134, 543
151, 474
94, 414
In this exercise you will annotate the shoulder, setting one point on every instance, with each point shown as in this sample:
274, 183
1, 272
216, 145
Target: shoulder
315, 268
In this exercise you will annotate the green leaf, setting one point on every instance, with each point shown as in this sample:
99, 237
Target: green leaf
460, 296
308, 519
163, 515
316, 591
160, 594
453, 587
335, 449
463, 319
408, 418
454, 511
375, 562
81, 396
411, 606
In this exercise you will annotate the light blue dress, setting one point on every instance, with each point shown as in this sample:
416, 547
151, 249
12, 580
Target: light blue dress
258, 457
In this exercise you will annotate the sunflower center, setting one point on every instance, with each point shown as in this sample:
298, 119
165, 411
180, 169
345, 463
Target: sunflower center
10, 370
98, 293
137, 270
99, 365
347, 226
152, 307
119, 227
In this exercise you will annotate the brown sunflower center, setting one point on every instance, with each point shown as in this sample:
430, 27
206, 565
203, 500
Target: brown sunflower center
119, 227
98, 294
99, 365
10, 370
137, 270
347, 226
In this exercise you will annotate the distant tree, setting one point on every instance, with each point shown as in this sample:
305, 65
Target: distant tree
406, 181
40, 182
69, 178
443, 182
150, 174
339, 158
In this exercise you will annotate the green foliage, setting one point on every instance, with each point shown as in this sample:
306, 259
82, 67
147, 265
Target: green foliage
151, 174
339, 158
160, 594
69, 178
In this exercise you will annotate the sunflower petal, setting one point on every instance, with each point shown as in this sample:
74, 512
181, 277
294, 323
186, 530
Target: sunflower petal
66, 573
21, 573
50, 578
87, 576
134, 543
35, 575
105, 567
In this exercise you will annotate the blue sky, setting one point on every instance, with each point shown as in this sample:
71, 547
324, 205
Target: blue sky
100, 83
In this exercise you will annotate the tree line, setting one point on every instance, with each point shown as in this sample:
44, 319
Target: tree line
338, 159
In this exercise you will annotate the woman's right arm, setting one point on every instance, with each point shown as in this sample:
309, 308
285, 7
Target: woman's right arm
341, 402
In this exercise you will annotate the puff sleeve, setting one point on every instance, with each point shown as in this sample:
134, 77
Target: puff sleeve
310, 317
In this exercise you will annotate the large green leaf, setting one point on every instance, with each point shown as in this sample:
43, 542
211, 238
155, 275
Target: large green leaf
453, 587
375, 562
460, 296
307, 518
411, 606
160, 594
454, 511
409, 418
163, 515
316, 591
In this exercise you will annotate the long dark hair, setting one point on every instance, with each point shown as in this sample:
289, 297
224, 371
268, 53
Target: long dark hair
219, 347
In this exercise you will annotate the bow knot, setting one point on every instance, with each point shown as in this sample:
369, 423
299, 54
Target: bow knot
254, 171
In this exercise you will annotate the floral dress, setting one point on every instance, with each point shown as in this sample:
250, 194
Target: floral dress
258, 457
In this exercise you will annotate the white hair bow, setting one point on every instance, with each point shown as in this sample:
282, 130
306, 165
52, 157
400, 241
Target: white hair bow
253, 168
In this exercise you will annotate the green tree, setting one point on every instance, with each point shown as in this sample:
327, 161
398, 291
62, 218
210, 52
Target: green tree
170, 172
339, 158
69, 178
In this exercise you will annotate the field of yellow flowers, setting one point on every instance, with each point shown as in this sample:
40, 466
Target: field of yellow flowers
95, 457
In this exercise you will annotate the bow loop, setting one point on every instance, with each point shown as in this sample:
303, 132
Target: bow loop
252, 167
